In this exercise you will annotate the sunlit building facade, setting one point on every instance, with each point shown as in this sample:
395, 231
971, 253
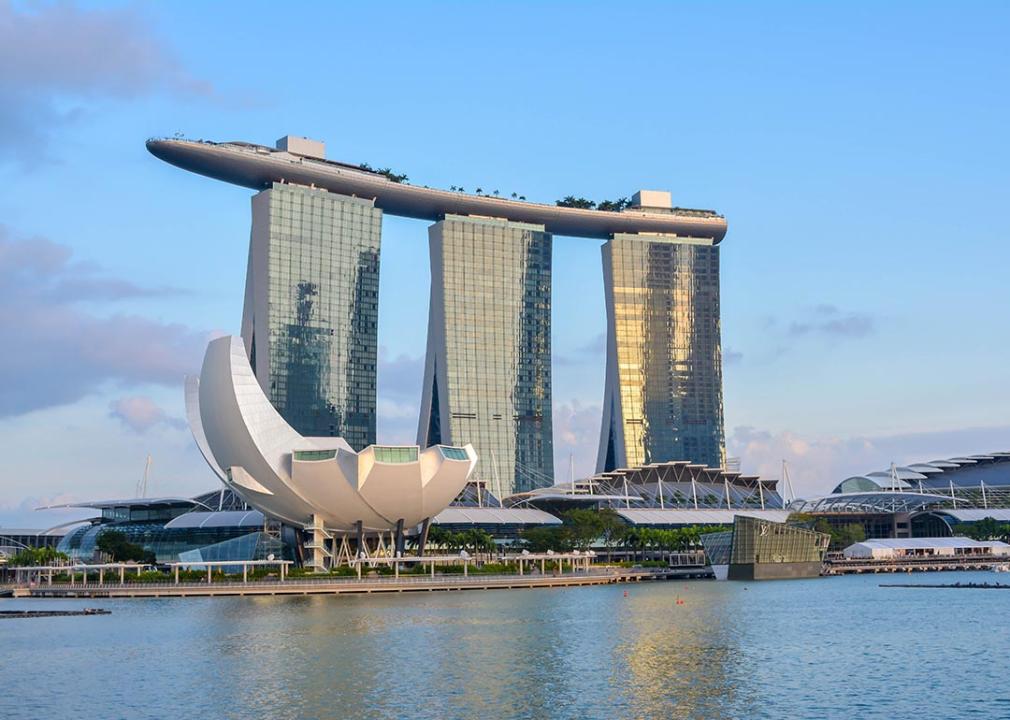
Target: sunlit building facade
311, 309
663, 395
487, 378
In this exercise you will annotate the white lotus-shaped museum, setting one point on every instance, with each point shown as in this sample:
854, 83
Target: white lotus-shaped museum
307, 481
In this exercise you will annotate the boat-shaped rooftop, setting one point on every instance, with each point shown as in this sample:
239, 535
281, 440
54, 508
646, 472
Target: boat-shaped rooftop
258, 167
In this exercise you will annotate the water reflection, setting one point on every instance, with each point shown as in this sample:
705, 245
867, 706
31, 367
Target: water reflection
788, 649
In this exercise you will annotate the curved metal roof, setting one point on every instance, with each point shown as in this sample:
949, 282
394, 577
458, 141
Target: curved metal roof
258, 167
494, 516
223, 518
869, 502
903, 473
976, 514
925, 468
651, 516
129, 502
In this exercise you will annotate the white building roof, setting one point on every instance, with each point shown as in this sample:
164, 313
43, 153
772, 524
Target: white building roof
224, 518
976, 514
929, 543
494, 516
649, 516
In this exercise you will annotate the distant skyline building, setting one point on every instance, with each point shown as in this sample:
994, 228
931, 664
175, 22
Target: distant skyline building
663, 394
487, 373
310, 319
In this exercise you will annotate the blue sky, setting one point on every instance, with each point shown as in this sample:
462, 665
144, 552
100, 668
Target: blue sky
858, 151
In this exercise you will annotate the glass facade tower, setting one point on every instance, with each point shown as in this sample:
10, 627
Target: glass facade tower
663, 396
311, 309
487, 377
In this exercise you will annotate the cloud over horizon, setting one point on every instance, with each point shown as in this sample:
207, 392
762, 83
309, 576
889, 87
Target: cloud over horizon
817, 464
63, 349
828, 320
140, 413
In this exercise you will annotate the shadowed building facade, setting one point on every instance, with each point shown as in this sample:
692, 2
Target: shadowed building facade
311, 309
487, 377
663, 394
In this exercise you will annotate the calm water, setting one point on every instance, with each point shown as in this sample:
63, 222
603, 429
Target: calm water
829, 648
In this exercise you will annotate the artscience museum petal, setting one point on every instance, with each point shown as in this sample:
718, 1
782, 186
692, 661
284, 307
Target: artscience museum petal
313, 482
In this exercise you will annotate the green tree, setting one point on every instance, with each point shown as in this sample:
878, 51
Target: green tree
613, 205
544, 538
612, 529
584, 527
116, 544
841, 537
30, 557
985, 529
575, 202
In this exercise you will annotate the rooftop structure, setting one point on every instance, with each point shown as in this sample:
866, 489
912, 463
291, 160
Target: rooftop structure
259, 167
920, 499
925, 547
671, 494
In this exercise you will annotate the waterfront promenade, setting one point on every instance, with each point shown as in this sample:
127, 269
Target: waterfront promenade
354, 586
841, 566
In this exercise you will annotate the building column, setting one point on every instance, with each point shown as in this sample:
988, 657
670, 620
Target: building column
422, 541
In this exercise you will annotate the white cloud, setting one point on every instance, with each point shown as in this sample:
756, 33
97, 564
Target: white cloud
576, 438
65, 351
816, 465
58, 56
140, 413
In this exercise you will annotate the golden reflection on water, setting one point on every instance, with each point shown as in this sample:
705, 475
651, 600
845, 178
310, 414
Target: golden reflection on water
537, 654
678, 658
740, 650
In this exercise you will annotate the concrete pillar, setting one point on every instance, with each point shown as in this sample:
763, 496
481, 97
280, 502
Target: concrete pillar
101, 576
433, 568
399, 540
208, 575
176, 574
422, 541
122, 574
283, 571
245, 572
